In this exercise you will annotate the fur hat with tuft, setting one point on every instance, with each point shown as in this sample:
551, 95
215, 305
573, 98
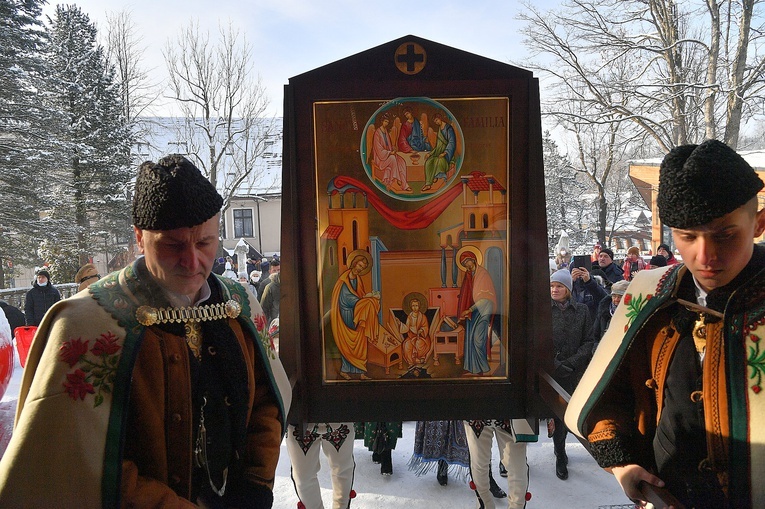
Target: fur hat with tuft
172, 194
700, 183
562, 276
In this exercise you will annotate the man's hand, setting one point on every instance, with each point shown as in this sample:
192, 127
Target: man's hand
630, 478
580, 272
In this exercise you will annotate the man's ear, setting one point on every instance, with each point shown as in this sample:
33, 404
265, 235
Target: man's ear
138, 238
759, 226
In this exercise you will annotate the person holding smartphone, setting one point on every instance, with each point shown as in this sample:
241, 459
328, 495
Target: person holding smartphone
585, 288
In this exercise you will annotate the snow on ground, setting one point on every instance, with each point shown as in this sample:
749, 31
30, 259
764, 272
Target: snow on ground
588, 486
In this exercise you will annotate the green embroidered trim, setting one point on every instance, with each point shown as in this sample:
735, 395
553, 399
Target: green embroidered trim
756, 362
109, 294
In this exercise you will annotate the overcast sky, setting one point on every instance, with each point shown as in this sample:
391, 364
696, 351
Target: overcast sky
291, 37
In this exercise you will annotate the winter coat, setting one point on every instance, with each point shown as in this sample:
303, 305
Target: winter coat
590, 294
14, 315
270, 300
601, 322
613, 273
571, 340
38, 300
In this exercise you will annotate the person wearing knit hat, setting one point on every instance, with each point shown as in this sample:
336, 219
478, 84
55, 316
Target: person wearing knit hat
611, 271
157, 374
562, 276
665, 251
571, 324
680, 324
633, 263
40, 298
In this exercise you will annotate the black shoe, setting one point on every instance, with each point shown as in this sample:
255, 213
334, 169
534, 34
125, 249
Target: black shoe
561, 470
442, 474
494, 488
502, 470
375, 458
386, 463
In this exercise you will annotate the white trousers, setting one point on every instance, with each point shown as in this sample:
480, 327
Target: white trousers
513, 456
306, 464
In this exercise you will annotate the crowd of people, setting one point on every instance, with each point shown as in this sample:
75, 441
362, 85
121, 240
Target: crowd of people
186, 404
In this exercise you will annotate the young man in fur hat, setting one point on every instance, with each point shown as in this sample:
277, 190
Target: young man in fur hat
673, 396
155, 387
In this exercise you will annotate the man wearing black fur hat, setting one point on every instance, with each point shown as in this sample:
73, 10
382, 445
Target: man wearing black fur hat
673, 396
156, 387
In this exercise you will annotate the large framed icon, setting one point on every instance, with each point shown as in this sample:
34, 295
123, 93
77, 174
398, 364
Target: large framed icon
411, 236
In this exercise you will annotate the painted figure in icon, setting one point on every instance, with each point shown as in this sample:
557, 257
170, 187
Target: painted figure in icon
437, 161
476, 304
410, 137
417, 342
385, 157
354, 315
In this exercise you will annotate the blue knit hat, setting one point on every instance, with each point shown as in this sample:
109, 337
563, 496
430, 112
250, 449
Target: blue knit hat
562, 276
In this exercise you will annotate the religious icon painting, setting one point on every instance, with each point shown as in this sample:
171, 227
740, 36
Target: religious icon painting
413, 238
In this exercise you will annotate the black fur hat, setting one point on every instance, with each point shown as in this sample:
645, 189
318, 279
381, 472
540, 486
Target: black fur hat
172, 194
699, 183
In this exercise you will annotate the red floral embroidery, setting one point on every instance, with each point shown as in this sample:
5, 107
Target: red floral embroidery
106, 344
77, 386
627, 298
96, 367
72, 350
260, 322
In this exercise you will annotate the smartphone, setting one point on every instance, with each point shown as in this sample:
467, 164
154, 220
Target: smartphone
583, 262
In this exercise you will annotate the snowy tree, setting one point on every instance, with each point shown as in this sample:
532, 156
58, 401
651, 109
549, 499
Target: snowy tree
688, 70
563, 193
25, 130
89, 184
225, 129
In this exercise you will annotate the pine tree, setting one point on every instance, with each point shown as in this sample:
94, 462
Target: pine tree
25, 129
94, 139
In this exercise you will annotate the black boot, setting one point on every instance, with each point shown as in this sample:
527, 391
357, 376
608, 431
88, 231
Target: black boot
561, 468
559, 442
375, 458
386, 463
442, 474
502, 470
494, 487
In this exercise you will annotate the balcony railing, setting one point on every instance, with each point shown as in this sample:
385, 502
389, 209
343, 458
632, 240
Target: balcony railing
17, 296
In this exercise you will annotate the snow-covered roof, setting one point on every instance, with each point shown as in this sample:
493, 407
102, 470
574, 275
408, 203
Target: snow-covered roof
755, 158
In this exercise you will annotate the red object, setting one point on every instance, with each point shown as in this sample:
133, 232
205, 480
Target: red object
353, 494
301, 505
472, 485
24, 337
528, 496
6, 366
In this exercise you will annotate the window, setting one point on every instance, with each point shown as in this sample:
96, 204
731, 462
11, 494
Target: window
242, 223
